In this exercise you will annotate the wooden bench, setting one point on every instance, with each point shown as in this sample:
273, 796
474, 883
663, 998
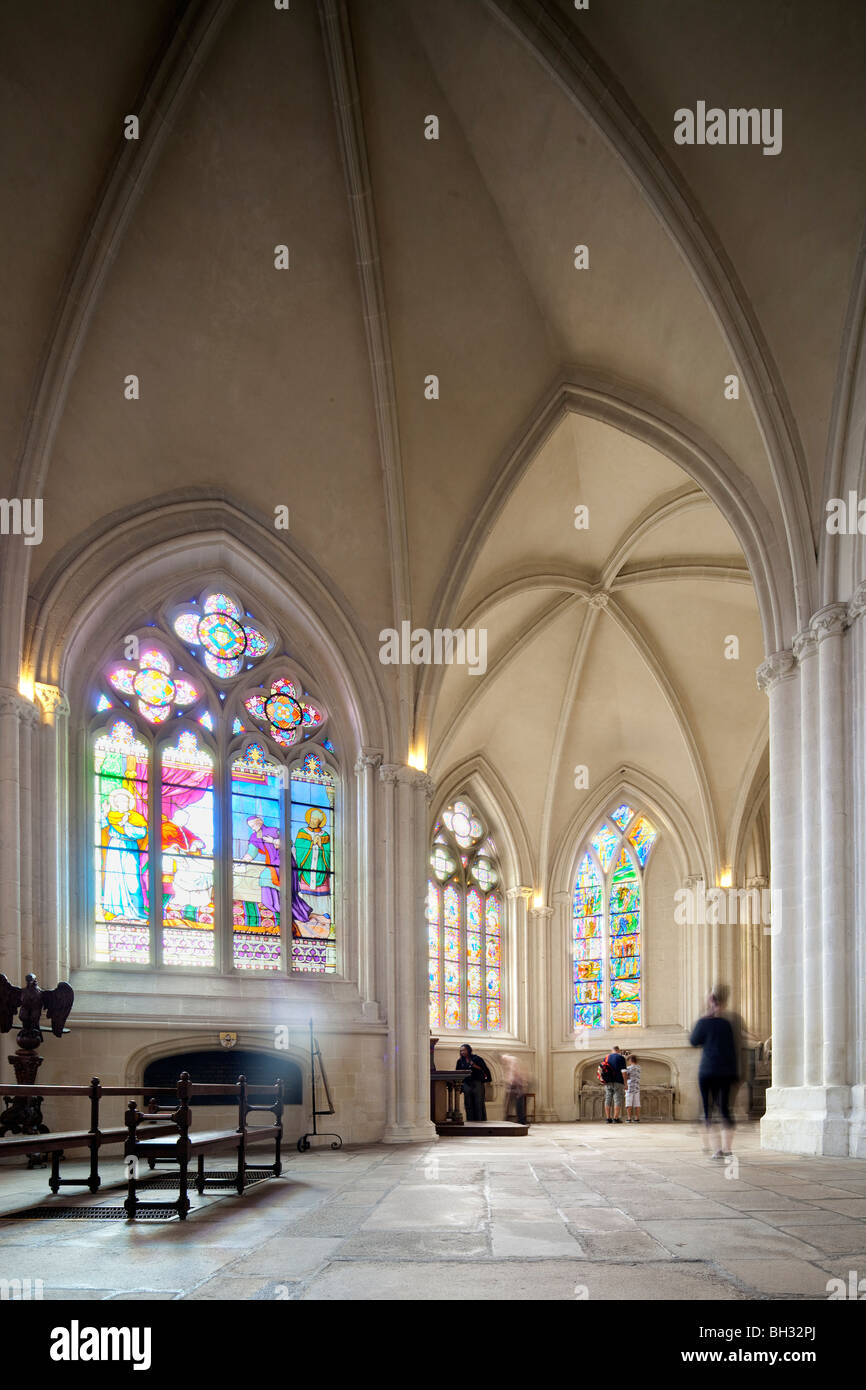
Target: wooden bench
56, 1142
182, 1146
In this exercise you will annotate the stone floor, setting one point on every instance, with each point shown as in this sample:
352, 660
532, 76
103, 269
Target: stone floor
571, 1211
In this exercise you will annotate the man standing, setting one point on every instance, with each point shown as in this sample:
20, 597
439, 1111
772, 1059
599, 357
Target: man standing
611, 1074
473, 1086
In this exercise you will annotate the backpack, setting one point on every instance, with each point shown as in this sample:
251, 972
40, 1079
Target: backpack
606, 1073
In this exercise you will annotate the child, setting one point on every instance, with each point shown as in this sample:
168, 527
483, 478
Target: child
632, 1090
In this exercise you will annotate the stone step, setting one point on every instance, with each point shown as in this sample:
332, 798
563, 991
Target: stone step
482, 1129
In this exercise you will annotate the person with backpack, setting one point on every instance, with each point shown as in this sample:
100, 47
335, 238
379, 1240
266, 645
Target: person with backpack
610, 1074
473, 1086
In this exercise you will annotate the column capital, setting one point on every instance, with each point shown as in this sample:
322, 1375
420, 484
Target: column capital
11, 702
829, 621
857, 604
757, 881
778, 667
408, 776
805, 644
52, 700
541, 912
368, 757
518, 891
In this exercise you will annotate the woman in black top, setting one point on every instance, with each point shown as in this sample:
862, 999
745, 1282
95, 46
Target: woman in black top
473, 1086
719, 1069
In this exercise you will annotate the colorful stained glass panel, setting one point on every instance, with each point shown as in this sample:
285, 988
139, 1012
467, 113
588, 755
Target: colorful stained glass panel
257, 828
604, 842
312, 836
622, 815
642, 836
187, 843
122, 849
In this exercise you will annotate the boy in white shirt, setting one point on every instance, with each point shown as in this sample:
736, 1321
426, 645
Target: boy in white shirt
632, 1090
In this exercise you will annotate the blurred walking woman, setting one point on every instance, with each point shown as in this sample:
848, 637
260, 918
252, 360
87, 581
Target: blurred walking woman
473, 1086
719, 1068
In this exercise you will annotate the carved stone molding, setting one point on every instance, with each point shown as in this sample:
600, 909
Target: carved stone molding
52, 700
541, 912
367, 758
805, 644
599, 598
24, 710
519, 891
409, 776
830, 621
778, 667
857, 605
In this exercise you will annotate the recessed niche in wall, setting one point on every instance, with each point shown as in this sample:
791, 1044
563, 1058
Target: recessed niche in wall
226, 1065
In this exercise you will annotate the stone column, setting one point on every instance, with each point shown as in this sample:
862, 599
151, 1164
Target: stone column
520, 974
540, 1013
756, 961
694, 968
368, 868
28, 723
778, 677
857, 665
52, 936
828, 626
12, 711
407, 795
806, 652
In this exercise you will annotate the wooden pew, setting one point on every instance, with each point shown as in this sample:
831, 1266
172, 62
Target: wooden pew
184, 1145
93, 1139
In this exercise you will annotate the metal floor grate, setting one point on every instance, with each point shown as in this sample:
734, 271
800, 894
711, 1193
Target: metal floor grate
87, 1214
218, 1178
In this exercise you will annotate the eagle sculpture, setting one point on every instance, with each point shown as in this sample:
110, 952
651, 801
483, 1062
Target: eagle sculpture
57, 1004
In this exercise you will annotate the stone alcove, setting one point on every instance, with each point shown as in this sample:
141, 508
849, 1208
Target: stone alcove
657, 1088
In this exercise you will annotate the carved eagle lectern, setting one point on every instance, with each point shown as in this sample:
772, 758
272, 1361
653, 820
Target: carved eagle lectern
57, 1004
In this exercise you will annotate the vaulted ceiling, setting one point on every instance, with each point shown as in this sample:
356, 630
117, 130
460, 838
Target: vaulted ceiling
454, 257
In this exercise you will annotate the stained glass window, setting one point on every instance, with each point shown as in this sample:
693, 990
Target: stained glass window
122, 850
285, 713
606, 922
187, 828
196, 811
464, 918
216, 631
257, 834
312, 884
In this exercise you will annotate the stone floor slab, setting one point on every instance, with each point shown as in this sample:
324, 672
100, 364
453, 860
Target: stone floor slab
532, 1240
784, 1278
516, 1280
442, 1205
287, 1257
721, 1240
